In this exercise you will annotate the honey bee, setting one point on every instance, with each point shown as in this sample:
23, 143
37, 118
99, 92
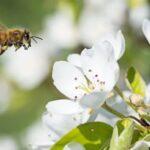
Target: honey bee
15, 37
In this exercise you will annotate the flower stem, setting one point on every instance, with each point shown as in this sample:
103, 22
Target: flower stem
117, 89
113, 111
141, 121
116, 113
120, 93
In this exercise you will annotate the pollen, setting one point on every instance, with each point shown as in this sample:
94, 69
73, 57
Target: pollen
90, 70
76, 87
75, 119
75, 78
102, 82
75, 97
96, 75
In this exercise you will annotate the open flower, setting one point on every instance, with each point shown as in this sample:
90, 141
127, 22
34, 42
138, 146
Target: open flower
62, 116
94, 77
146, 29
141, 145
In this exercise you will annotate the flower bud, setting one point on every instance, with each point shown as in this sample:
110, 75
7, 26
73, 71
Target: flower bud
136, 99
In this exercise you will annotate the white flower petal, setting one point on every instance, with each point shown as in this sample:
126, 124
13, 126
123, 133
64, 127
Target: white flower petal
104, 50
100, 66
147, 98
87, 52
118, 43
41, 147
137, 15
75, 59
63, 107
74, 146
67, 78
118, 104
141, 145
93, 100
27, 68
146, 29
63, 115
105, 116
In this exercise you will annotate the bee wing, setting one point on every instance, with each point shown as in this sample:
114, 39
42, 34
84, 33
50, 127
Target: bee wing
3, 28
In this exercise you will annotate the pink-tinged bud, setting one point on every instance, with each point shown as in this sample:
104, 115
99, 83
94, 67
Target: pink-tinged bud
136, 99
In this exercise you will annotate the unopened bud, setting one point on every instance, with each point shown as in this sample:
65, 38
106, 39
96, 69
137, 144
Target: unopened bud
136, 99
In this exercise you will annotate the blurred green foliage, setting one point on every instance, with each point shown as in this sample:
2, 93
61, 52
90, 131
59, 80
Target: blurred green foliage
25, 13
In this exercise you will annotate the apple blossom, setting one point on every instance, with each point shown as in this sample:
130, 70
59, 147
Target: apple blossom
8, 143
60, 24
27, 68
62, 116
98, 73
36, 137
146, 29
147, 97
5, 95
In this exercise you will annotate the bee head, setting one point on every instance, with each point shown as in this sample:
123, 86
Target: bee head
26, 36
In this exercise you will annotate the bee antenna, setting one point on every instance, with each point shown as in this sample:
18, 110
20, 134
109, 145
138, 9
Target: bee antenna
36, 37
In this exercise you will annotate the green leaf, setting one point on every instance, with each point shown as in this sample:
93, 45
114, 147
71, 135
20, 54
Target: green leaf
147, 137
135, 82
122, 135
93, 136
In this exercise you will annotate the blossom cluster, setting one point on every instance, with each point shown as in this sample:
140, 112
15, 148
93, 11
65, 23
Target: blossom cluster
87, 80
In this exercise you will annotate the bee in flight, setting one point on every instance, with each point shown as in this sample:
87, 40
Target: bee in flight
15, 37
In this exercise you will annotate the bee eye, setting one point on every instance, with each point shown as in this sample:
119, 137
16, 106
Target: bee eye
26, 36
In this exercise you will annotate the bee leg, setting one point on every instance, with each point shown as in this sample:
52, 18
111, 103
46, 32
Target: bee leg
3, 49
17, 45
29, 44
17, 49
25, 47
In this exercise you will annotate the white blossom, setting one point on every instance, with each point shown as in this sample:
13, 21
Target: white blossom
61, 29
137, 16
5, 95
8, 143
146, 29
99, 18
99, 66
62, 116
27, 68
36, 137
